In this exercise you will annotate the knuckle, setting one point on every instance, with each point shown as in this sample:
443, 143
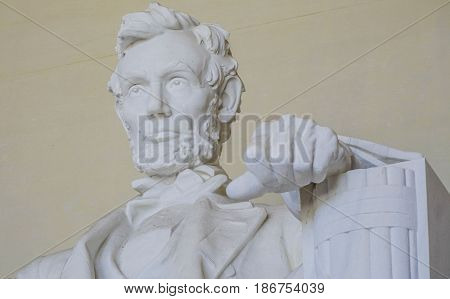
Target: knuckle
252, 154
327, 133
302, 167
319, 167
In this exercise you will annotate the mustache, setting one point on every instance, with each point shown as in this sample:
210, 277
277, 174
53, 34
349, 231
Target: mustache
165, 136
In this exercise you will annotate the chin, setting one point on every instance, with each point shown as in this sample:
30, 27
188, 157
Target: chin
163, 169
167, 168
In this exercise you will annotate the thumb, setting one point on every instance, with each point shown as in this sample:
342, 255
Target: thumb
245, 187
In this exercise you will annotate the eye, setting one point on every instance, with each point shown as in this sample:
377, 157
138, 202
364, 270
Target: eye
135, 90
177, 83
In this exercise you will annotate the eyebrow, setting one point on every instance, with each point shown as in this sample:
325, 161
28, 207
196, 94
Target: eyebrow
179, 66
133, 75
136, 75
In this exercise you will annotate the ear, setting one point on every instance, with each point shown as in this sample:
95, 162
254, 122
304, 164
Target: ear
231, 98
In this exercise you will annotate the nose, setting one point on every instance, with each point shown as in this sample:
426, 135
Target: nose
157, 105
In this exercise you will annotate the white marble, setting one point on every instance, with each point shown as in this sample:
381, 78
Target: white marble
177, 92
388, 221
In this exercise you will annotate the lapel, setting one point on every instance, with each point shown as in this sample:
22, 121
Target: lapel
233, 226
81, 263
207, 239
210, 234
212, 231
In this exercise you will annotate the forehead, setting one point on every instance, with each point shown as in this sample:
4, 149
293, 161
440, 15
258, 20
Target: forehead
156, 55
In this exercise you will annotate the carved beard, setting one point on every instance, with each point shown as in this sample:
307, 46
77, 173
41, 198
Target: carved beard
210, 145
188, 151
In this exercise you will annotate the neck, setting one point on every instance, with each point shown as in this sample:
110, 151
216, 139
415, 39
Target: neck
205, 171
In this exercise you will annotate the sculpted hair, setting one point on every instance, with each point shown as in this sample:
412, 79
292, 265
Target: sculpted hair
156, 20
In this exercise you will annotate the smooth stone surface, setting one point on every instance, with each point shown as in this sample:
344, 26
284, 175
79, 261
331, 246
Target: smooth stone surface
58, 100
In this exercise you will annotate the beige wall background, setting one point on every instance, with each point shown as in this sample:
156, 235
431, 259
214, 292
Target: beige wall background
374, 69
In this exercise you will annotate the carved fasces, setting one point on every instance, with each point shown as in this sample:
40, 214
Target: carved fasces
364, 225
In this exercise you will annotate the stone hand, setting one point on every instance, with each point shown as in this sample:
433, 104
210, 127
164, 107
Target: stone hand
287, 154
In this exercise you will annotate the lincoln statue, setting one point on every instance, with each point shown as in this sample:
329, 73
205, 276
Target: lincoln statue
177, 91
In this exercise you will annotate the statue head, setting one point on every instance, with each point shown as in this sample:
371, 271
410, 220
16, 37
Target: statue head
176, 87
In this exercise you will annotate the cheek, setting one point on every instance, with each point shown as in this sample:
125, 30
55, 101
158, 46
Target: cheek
129, 116
134, 106
195, 103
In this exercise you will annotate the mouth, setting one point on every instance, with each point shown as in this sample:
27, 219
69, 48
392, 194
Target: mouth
167, 136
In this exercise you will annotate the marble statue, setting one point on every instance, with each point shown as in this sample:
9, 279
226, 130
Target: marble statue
176, 78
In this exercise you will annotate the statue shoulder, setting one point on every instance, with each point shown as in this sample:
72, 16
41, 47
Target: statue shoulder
49, 266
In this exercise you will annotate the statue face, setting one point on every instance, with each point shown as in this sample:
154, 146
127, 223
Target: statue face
163, 101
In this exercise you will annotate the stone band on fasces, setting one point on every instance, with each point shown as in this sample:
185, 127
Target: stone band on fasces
370, 211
